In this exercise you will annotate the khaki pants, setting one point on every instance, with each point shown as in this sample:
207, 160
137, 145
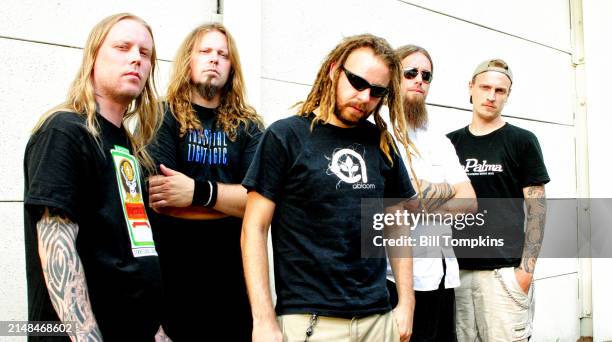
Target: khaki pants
374, 328
491, 306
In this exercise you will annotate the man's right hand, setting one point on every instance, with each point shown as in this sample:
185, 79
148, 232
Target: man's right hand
267, 332
171, 189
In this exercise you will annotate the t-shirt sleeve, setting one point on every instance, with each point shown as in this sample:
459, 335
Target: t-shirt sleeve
54, 164
532, 168
253, 137
266, 173
165, 145
397, 182
453, 171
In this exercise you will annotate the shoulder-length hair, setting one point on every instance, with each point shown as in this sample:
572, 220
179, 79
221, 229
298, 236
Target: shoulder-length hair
233, 109
81, 96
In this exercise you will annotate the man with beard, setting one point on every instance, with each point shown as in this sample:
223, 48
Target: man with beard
90, 256
439, 177
203, 150
307, 179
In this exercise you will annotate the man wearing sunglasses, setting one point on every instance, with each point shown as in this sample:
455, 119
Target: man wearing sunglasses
494, 301
440, 178
307, 179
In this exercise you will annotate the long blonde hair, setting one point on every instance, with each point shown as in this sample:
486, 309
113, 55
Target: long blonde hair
403, 52
323, 92
233, 109
81, 96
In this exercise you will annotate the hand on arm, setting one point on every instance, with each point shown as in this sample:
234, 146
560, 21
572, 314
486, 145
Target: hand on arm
535, 201
254, 241
64, 274
172, 194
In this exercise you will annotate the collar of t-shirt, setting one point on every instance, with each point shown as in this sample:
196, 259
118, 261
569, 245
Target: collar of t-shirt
485, 136
204, 111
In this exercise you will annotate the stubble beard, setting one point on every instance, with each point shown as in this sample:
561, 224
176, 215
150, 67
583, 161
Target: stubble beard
345, 119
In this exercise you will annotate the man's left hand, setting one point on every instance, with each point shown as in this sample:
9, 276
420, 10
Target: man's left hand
403, 318
524, 279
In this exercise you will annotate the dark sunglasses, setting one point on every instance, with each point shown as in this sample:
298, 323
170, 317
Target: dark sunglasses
427, 76
360, 84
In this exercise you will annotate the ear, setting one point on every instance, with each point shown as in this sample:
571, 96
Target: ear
470, 86
332, 70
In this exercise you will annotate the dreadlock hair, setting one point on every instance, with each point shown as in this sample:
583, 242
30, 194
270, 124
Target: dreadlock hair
323, 92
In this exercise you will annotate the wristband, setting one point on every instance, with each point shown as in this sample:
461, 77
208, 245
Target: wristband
204, 193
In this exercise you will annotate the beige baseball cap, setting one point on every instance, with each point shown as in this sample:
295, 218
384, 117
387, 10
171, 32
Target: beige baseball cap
495, 64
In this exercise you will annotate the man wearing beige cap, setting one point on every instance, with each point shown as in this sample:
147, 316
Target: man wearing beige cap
506, 168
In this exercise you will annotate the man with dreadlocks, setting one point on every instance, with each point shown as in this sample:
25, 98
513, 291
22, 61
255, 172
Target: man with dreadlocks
203, 150
307, 179
90, 255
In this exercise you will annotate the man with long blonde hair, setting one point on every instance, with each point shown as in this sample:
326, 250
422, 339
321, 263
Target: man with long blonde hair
91, 260
203, 150
308, 178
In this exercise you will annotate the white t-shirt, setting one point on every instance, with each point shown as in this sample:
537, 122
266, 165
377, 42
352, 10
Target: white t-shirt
437, 162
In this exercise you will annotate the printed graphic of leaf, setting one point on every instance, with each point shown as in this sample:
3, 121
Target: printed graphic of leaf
346, 164
349, 162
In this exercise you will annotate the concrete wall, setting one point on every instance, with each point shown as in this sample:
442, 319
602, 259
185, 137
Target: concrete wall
282, 44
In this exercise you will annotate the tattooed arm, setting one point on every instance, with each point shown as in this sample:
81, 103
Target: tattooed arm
64, 275
448, 198
535, 201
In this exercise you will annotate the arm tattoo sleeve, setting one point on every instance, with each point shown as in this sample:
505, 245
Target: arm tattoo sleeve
535, 199
436, 194
64, 275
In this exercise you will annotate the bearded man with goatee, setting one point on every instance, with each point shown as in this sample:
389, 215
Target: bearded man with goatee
203, 151
439, 177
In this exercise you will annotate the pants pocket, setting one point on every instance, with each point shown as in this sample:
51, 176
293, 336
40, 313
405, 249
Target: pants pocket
511, 287
520, 332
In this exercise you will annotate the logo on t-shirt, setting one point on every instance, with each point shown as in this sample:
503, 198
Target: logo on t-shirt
205, 146
474, 168
350, 167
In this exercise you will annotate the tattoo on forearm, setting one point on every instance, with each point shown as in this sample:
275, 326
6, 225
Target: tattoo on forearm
64, 275
534, 232
436, 194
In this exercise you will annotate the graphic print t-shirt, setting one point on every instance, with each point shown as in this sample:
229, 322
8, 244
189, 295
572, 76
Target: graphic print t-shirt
66, 169
317, 178
500, 164
192, 249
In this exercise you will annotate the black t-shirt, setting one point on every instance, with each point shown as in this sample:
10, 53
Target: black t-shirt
500, 164
70, 171
317, 180
194, 250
